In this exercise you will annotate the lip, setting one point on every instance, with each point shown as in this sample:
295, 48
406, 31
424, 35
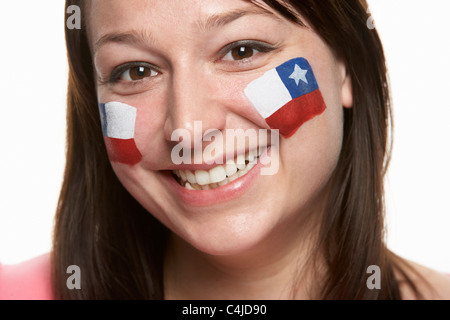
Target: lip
203, 198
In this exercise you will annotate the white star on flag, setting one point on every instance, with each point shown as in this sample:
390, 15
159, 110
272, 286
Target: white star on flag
299, 74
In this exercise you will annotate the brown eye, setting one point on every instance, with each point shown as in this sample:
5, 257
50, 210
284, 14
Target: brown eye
138, 73
243, 52
240, 53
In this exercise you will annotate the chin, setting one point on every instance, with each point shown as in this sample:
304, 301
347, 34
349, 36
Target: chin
233, 234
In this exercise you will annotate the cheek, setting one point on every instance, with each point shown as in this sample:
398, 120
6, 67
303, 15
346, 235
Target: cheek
230, 92
287, 96
313, 152
130, 130
310, 157
118, 126
150, 138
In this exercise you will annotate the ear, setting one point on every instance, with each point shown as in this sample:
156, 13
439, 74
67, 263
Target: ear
346, 89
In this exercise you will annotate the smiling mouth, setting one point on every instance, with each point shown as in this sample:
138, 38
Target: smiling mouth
220, 175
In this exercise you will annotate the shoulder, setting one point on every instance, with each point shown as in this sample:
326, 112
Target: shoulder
433, 285
28, 280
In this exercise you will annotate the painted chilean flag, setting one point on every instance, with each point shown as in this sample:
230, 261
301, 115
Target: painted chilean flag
118, 121
287, 96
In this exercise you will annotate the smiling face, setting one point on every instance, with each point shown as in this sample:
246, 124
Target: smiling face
177, 62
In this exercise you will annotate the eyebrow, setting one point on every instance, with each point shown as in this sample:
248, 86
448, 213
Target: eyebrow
130, 37
214, 21
220, 20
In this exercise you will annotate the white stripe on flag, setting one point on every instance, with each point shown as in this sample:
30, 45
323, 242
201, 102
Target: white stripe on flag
268, 93
120, 120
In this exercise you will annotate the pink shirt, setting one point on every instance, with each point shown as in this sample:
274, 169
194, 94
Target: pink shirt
29, 280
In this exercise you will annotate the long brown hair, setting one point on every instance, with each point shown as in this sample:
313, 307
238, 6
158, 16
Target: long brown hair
119, 246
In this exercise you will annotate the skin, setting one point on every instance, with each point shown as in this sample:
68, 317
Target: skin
250, 246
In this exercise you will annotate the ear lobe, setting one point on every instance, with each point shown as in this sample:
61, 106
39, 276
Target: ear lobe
346, 91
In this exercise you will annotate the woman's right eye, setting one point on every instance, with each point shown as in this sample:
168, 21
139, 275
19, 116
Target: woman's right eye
137, 73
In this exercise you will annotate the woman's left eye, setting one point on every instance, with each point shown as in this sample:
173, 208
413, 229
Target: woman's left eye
240, 53
137, 73
245, 50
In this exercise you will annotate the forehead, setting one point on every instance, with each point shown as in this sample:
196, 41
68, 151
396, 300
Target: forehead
107, 15
168, 25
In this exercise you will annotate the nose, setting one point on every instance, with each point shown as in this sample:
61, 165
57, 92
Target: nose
193, 99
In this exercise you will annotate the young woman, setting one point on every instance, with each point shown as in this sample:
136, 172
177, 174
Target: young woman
141, 225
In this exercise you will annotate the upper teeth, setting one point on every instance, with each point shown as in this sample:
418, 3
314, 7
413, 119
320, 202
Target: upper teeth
220, 175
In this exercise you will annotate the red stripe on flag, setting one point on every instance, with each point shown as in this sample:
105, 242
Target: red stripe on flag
123, 151
296, 112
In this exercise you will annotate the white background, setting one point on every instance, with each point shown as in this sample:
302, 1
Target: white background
33, 82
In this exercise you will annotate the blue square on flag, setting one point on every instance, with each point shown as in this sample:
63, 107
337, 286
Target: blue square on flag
297, 77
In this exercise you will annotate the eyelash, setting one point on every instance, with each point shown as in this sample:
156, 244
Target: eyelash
259, 46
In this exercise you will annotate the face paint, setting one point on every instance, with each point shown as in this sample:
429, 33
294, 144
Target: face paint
118, 122
287, 96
